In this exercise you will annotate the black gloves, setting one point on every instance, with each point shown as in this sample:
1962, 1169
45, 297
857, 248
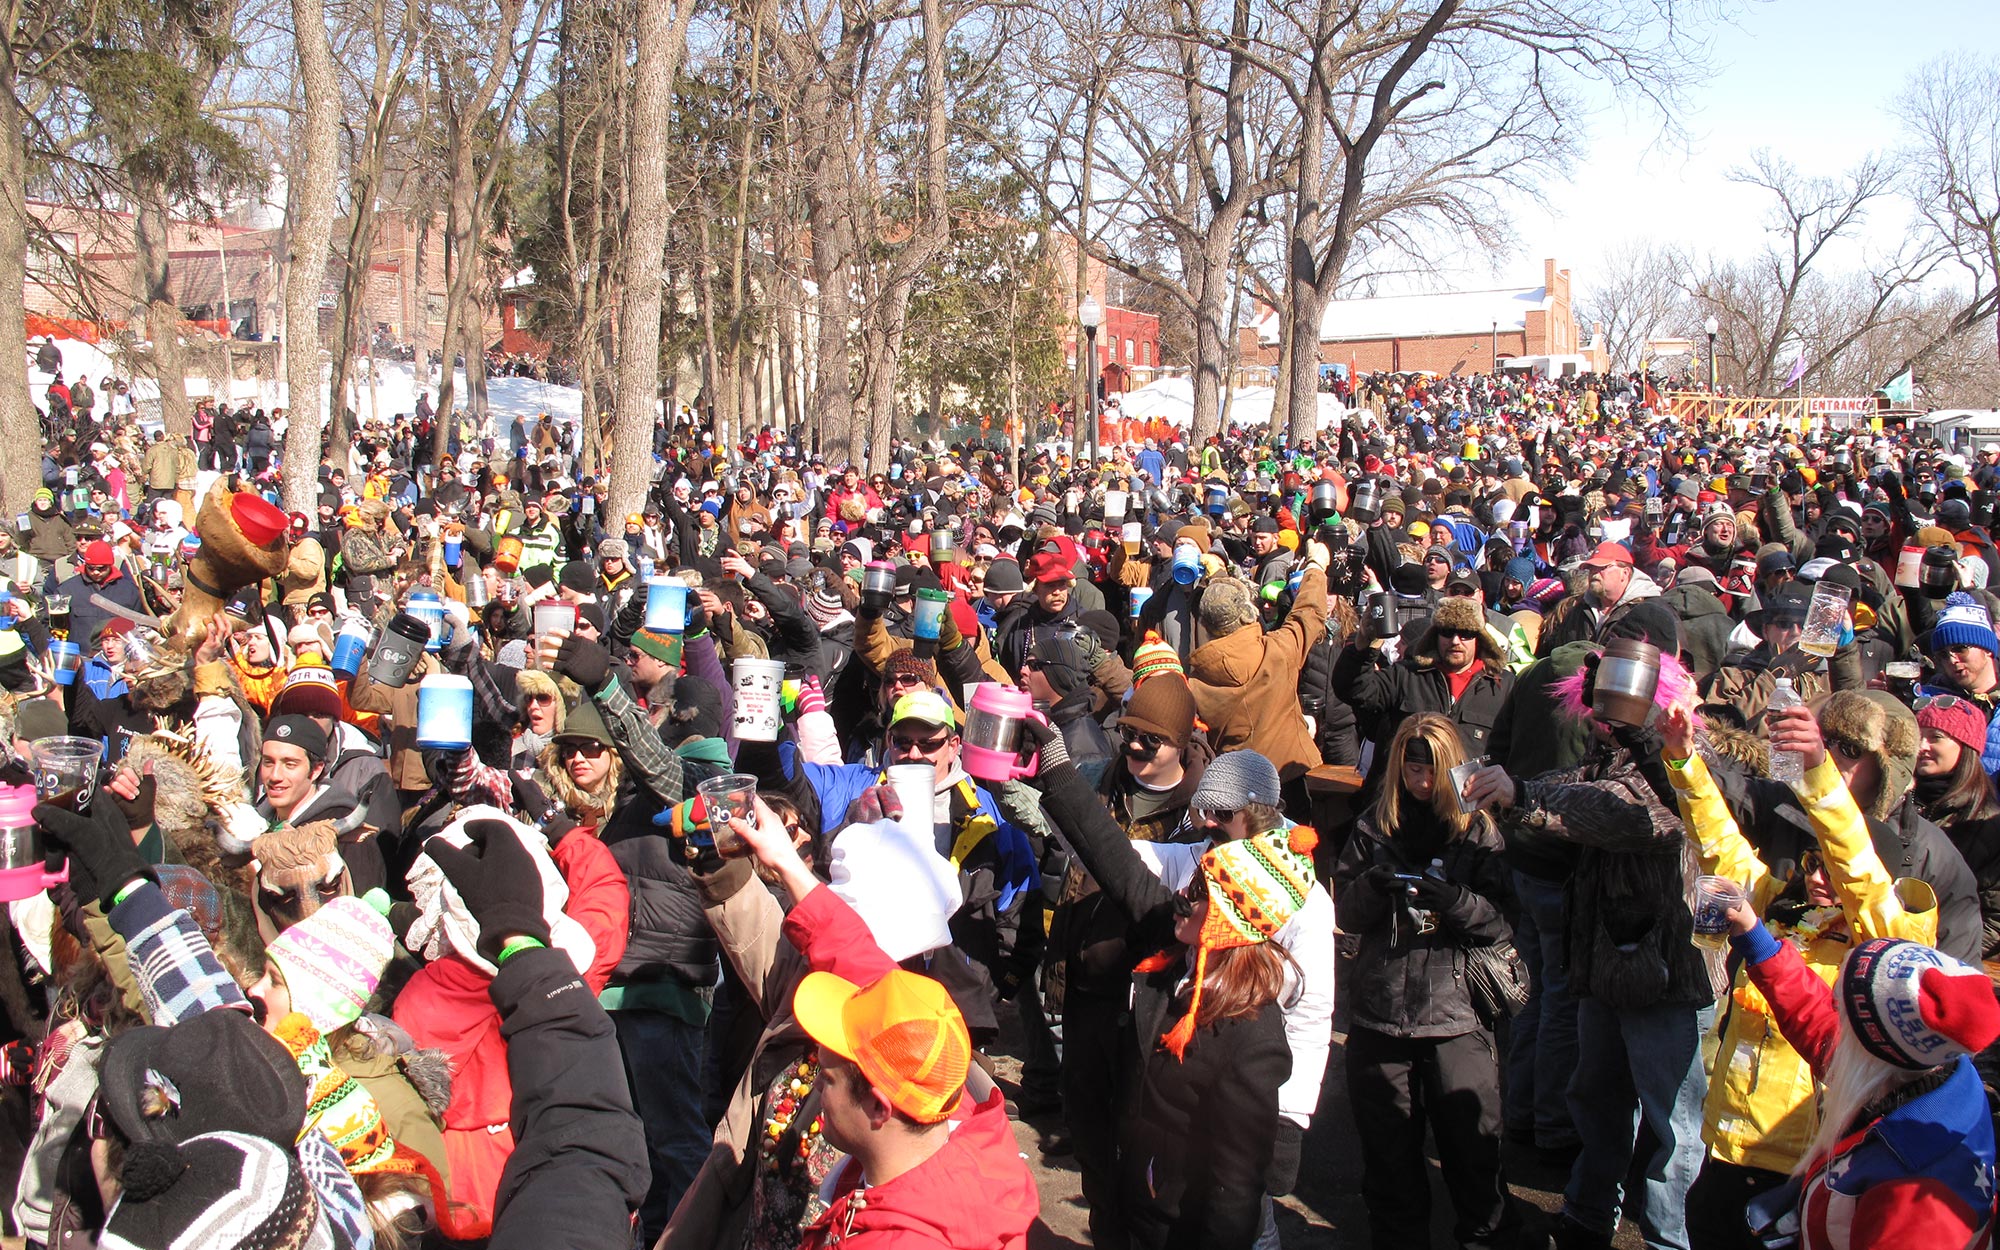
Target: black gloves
102, 858
500, 885
1378, 877
1434, 895
584, 662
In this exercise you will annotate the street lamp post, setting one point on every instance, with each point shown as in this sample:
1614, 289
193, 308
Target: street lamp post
1711, 325
1494, 351
1090, 315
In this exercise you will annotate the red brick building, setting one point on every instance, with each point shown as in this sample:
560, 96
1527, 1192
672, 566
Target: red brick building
1456, 332
1128, 342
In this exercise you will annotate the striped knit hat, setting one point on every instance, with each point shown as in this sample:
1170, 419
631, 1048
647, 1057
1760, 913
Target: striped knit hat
224, 1191
1154, 656
1255, 886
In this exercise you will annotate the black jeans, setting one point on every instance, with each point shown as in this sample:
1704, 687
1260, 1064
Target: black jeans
1716, 1202
1397, 1086
1097, 1058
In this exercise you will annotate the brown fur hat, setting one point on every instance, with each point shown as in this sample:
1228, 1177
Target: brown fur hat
1876, 723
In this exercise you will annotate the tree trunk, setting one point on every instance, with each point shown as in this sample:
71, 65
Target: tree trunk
827, 208
357, 257
20, 425
306, 265
154, 279
1086, 364
662, 33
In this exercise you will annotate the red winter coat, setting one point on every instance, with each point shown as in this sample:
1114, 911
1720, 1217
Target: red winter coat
447, 1005
974, 1194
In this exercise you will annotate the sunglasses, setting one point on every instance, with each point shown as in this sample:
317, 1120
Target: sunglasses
588, 750
898, 680
1133, 737
920, 746
541, 698
1942, 702
1215, 817
1463, 635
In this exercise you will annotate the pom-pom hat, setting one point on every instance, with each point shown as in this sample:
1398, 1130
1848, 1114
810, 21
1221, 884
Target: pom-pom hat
1964, 622
1916, 1007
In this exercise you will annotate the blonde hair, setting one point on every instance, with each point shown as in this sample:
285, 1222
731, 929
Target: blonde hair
1447, 752
1854, 1078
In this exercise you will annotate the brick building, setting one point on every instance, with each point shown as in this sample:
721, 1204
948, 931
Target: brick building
1455, 332
82, 270
1128, 342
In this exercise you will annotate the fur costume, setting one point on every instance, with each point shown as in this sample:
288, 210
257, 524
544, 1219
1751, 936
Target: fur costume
226, 563
1874, 721
189, 792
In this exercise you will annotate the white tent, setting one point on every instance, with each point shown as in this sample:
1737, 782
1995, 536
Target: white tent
1172, 400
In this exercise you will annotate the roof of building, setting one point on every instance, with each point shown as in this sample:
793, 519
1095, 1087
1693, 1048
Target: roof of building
1417, 316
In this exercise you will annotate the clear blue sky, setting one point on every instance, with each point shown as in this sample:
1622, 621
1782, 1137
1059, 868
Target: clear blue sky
1814, 80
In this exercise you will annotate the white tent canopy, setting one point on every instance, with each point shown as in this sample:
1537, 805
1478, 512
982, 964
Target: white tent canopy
1172, 400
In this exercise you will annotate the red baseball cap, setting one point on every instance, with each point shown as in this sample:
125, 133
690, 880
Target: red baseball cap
97, 551
1609, 553
1049, 566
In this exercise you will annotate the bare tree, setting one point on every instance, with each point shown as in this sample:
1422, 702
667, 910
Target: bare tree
305, 266
1637, 293
1758, 304
1951, 113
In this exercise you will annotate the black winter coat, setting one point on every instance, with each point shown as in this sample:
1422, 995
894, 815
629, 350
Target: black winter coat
1383, 696
1334, 728
670, 935
1402, 982
1199, 1136
578, 1169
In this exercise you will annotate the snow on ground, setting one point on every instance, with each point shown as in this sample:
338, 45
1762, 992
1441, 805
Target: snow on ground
395, 389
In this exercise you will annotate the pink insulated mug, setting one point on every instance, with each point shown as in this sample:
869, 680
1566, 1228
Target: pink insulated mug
23, 865
992, 739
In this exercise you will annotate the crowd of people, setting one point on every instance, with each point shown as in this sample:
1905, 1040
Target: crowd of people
1512, 769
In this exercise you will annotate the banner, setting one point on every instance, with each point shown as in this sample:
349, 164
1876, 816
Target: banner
1897, 389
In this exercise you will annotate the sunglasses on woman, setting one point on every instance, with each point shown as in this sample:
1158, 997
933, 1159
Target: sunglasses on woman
1942, 702
1191, 895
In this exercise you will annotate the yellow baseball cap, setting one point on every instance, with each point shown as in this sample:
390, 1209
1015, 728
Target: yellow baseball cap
902, 1031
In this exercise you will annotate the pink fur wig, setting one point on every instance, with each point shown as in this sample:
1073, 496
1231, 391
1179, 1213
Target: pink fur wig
1676, 686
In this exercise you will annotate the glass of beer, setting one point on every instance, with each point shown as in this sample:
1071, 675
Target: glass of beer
1826, 619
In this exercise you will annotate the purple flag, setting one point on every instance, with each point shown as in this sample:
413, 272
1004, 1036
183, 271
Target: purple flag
1798, 371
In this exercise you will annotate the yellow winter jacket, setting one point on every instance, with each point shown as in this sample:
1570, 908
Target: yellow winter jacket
1760, 1107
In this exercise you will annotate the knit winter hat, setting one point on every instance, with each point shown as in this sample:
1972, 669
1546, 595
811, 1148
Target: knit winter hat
1916, 1007
228, 1191
333, 960
614, 549
1519, 569
1164, 707
1233, 779
1958, 719
1155, 658
1254, 886
909, 664
823, 606
337, 1105
1196, 534
1963, 622
309, 690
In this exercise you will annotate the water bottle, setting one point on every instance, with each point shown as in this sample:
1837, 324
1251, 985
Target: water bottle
1786, 766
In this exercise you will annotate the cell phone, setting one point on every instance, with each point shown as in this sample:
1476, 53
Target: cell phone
1409, 878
